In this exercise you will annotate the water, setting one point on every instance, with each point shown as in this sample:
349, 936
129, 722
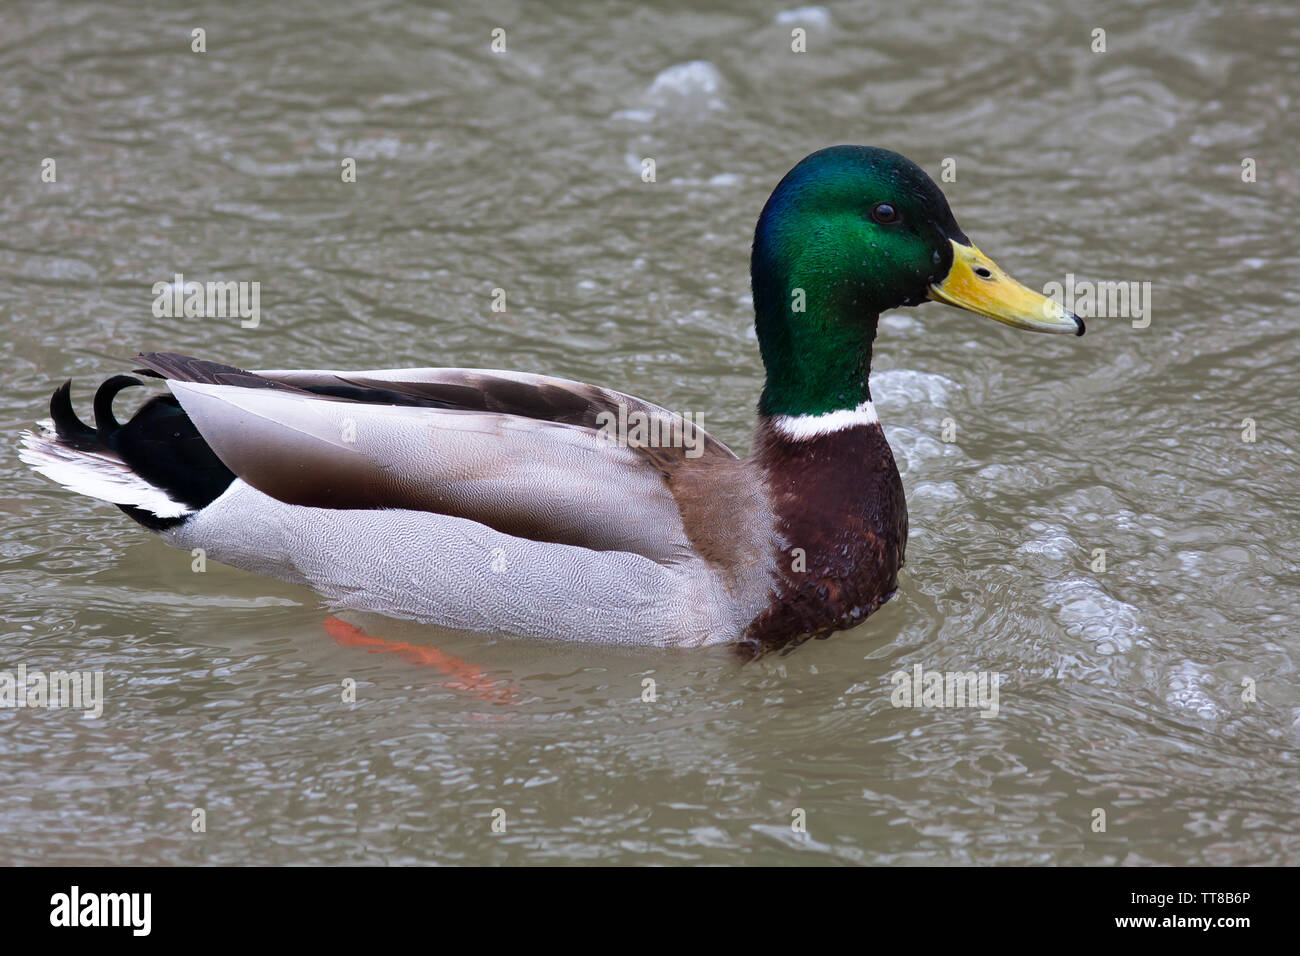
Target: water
1122, 690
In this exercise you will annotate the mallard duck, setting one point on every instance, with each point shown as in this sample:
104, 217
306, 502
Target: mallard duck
504, 501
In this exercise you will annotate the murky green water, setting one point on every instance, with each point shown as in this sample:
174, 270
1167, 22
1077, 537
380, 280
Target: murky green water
1122, 689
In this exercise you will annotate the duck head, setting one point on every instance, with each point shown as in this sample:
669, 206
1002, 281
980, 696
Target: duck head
849, 233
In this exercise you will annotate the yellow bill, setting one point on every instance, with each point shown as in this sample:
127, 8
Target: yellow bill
976, 284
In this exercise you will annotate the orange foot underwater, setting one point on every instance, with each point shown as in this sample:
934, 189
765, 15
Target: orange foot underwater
465, 675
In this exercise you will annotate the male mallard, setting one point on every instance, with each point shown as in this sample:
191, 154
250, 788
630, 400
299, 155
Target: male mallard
497, 501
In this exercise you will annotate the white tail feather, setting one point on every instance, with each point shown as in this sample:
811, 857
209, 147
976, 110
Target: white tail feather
95, 474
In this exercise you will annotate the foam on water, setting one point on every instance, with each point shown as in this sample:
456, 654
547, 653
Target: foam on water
686, 88
818, 17
1088, 613
901, 386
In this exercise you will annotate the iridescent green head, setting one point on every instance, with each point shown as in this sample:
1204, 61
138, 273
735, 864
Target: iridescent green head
849, 233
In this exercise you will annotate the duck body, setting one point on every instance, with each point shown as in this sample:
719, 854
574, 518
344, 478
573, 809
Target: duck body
499, 501
476, 519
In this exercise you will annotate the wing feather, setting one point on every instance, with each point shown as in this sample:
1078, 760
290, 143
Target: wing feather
523, 454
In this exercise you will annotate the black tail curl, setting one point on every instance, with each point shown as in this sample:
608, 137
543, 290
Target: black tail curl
159, 443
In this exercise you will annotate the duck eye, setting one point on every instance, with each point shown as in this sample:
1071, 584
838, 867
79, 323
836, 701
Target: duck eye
884, 214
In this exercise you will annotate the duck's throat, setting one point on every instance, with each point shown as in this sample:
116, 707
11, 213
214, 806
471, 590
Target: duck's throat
817, 365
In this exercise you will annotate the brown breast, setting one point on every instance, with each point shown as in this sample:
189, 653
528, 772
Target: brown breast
840, 510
